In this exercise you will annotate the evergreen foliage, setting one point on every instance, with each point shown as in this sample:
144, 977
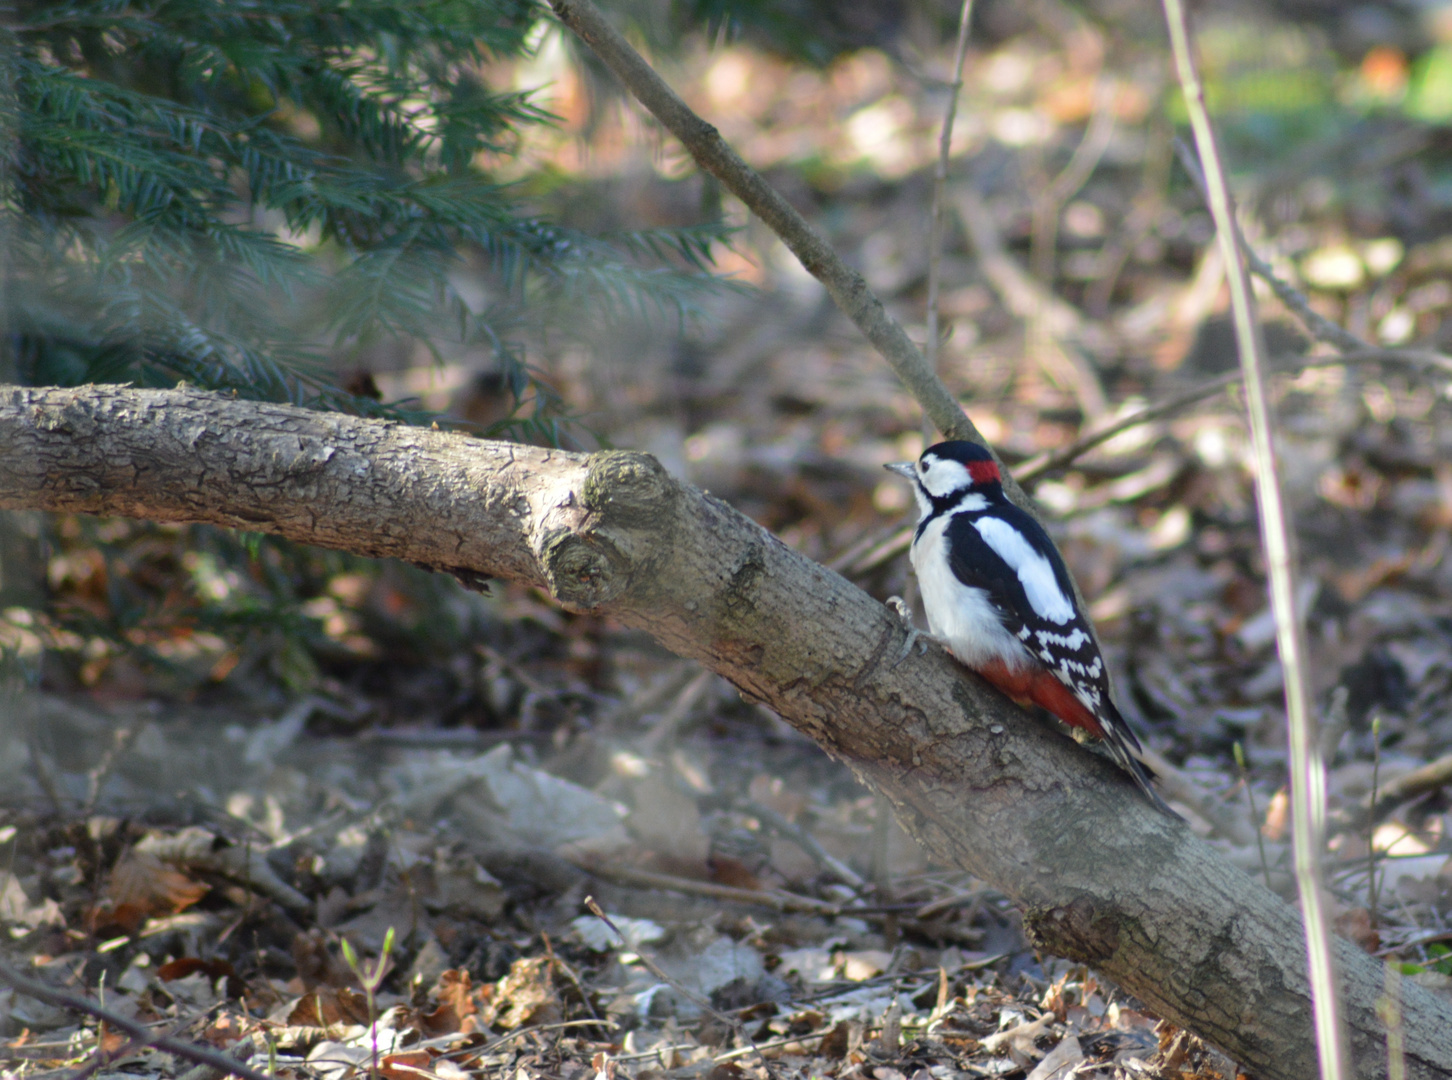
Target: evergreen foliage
242, 193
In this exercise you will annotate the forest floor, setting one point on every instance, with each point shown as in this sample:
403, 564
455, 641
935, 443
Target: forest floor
224, 756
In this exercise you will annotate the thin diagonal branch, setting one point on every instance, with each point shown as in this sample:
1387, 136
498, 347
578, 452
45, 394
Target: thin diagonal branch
1036, 467
1321, 328
188, 1051
712, 153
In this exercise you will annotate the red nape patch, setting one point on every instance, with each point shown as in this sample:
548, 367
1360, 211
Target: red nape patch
984, 472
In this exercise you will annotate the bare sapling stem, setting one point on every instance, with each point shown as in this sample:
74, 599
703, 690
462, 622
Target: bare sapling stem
940, 183
1308, 779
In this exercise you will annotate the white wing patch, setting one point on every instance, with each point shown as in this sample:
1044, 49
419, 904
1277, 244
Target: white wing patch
1033, 570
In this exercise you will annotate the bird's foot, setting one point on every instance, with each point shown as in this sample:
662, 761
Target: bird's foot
898, 606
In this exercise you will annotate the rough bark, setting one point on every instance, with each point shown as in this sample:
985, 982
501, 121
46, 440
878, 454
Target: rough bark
1101, 877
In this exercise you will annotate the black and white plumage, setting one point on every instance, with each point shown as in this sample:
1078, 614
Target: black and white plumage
998, 596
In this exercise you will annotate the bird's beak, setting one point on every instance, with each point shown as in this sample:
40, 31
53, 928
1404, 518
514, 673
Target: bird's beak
903, 468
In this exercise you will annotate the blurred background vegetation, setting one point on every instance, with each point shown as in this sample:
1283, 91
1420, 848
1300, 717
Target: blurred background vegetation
442, 211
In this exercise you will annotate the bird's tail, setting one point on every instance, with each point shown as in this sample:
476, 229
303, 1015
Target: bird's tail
1122, 745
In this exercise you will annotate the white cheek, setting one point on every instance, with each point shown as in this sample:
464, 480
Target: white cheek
942, 477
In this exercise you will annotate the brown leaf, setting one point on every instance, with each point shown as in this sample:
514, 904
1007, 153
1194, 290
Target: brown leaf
728, 871
316, 965
140, 886
835, 1042
455, 994
525, 996
330, 1005
405, 1065
183, 966
1277, 816
1355, 925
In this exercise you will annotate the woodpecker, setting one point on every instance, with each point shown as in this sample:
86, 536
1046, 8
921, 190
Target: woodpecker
999, 599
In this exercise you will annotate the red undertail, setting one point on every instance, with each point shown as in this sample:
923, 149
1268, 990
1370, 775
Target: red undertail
1039, 686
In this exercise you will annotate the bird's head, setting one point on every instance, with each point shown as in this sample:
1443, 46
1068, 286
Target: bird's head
949, 471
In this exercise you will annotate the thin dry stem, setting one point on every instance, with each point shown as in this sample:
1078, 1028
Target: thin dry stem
1037, 467
1320, 327
940, 183
1308, 796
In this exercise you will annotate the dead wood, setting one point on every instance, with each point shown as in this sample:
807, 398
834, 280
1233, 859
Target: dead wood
1101, 877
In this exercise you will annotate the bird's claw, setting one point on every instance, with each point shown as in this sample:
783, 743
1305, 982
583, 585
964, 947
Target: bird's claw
914, 636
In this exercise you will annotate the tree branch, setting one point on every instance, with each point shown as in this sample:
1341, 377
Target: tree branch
846, 286
1102, 878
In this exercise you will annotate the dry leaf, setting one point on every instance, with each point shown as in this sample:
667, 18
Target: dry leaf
458, 1005
1277, 816
525, 996
405, 1065
1354, 924
140, 886
329, 1006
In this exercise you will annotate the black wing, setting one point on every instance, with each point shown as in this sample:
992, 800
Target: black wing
975, 563
1073, 657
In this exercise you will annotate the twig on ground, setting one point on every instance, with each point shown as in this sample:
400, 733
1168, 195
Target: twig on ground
1429, 777
42, 773
1027, 1029
470, 1050
940, 182
570, 974
240, 1051
1145, 210
807, 842
121, 741
713, 154
664, 729
102, 1057
185, 1050
650, 879
1430, 937
772, 1044
1053, 461
1037, 467
1308, 780
734, 1025
1043, 243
